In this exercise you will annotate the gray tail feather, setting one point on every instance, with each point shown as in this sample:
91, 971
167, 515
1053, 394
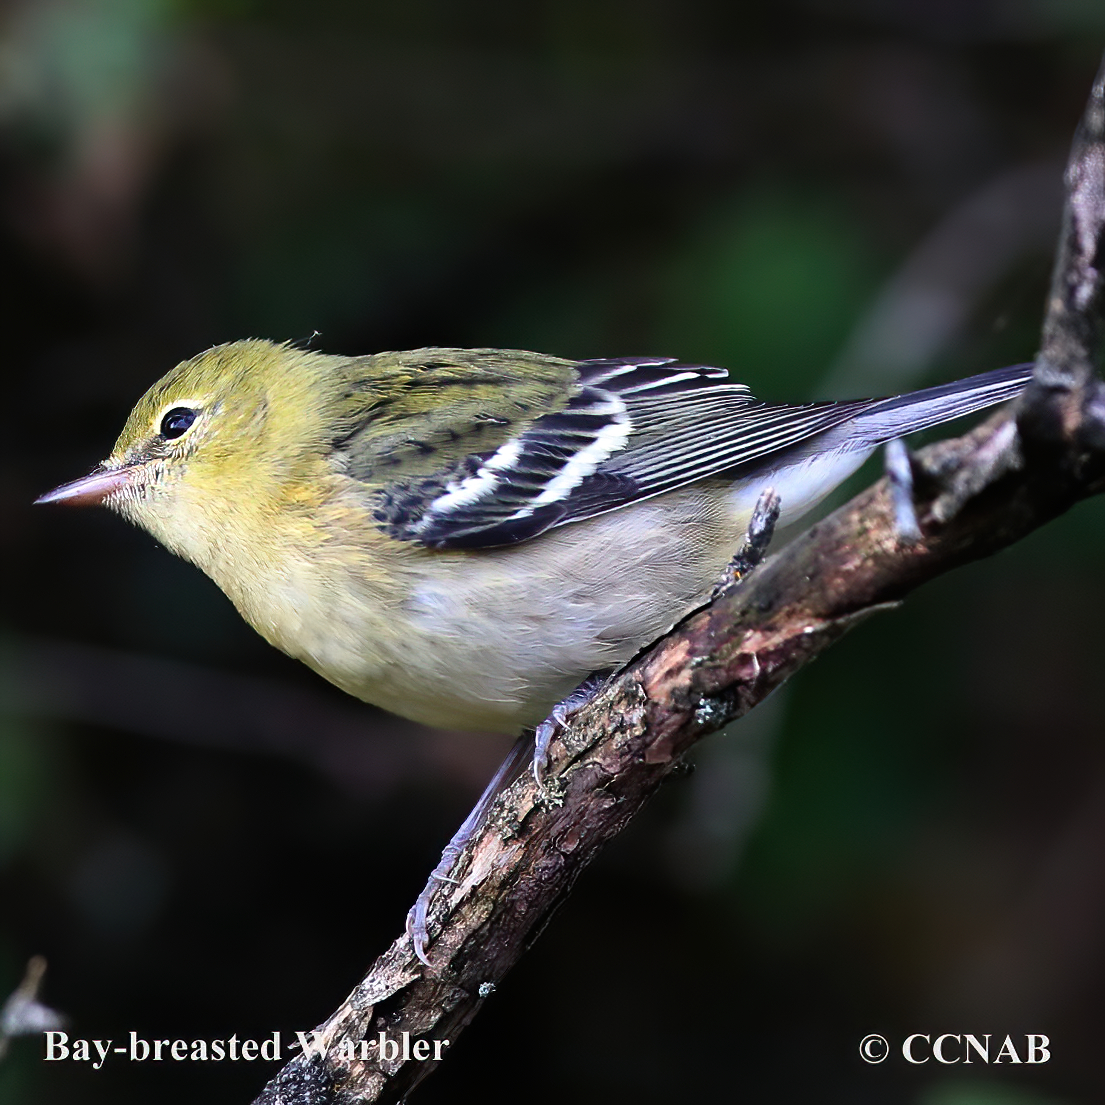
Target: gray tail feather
917, 410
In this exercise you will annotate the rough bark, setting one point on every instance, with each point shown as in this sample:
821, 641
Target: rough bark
973, 496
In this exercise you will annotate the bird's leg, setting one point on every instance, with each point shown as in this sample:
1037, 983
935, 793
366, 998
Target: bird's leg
507, 772
761, 528
899, 476
561, 714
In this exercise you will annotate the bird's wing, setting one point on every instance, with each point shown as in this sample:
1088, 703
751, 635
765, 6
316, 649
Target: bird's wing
630, 429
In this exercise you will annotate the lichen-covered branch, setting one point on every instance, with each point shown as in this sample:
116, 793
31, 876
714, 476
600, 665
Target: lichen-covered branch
974, 495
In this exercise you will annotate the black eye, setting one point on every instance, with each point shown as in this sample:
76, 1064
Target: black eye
177, 421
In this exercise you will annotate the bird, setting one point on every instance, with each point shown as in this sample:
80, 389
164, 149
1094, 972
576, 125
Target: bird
462, 536
465, 537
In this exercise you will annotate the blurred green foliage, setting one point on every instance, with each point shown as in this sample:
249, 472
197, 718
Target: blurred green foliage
771, 282
24, 776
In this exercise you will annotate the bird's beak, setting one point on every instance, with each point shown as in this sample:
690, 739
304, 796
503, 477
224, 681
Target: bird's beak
92, 489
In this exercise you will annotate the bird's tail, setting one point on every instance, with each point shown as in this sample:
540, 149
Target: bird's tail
917, 410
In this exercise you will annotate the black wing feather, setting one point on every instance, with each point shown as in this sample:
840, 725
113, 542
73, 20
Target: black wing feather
636, 428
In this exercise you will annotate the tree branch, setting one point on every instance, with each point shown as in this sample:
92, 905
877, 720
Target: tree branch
974, 495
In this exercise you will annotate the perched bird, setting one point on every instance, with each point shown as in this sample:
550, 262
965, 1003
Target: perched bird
461, 536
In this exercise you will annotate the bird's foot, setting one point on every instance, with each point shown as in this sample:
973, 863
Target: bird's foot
418, 917
761, 529
899, 476
562, 714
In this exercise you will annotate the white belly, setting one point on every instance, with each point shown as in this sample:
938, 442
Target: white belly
494, 639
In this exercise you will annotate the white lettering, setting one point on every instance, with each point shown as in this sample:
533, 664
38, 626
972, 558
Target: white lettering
403, 1048
313, 1048
907, 1047
388, 1050
1041, 1049
938, 1048
981, 1050
57, 1042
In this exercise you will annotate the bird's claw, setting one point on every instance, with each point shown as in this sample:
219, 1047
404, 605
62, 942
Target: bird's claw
899, 476
417, 923
558, 719
761, 529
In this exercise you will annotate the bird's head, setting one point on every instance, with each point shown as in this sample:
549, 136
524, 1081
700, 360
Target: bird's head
212, 438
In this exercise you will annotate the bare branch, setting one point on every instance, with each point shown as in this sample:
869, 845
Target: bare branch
1066, 393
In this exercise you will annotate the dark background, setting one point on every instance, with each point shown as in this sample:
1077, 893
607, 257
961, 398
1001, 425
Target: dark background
828, 196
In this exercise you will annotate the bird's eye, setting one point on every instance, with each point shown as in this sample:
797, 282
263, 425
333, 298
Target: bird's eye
177, 421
